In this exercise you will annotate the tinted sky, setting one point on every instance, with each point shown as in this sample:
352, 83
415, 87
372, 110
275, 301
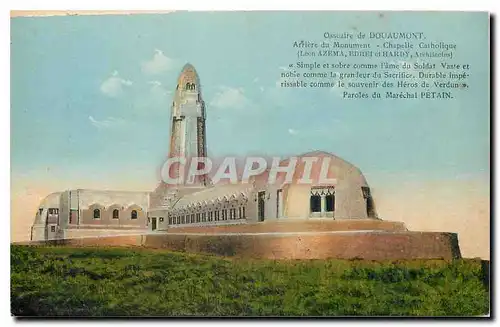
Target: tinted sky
91, 94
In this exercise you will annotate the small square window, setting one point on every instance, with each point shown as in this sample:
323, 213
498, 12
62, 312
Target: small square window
161, 219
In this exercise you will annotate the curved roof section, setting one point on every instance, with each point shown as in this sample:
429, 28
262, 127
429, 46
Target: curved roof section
322, 154
188, 75
51, 200
338, 169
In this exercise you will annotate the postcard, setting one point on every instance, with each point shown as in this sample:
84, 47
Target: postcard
250, 164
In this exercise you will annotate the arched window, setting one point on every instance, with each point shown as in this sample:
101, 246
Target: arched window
330, 202
241, 212
116, 214
315, 203
97, 214
133, 214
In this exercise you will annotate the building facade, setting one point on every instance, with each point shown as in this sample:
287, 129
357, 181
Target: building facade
80, 213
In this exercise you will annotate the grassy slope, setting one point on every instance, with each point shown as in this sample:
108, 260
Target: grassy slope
139, 282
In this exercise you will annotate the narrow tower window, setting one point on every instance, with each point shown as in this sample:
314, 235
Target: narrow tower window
116, 214
133, 214
97, 214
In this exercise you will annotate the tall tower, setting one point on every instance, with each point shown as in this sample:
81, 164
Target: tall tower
188, 136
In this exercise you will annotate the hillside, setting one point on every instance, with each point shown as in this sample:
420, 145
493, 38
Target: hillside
64, 281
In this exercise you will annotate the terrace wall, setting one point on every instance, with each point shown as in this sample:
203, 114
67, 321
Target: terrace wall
376, 245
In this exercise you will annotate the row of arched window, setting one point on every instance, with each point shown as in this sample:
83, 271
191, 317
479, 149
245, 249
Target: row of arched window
210, 216
116, 214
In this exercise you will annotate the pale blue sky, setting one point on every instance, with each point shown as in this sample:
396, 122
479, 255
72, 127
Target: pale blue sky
91, 94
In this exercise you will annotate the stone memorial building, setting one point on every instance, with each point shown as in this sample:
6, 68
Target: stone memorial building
84, 213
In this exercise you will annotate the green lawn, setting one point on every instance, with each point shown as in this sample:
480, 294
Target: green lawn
61, 281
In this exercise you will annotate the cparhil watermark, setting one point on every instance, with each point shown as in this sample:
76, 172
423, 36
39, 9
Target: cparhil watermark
237, 170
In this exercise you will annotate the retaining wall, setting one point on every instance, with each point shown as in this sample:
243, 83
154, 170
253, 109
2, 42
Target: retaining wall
296, 225
379, 245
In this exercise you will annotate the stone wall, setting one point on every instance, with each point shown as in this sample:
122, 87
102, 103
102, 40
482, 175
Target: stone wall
111, 241
100, 232
299, 225
369, 246
380, 245
106, 216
